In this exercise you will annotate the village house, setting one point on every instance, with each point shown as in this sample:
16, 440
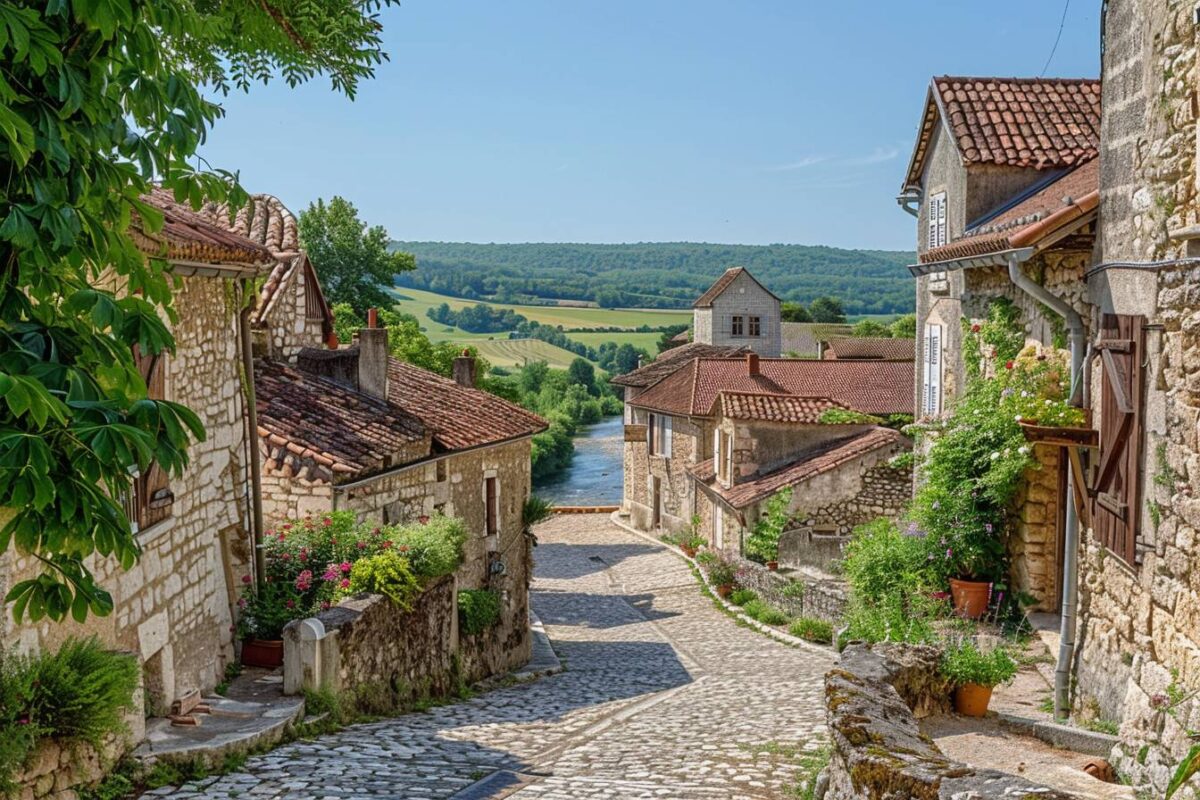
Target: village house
172, 609
1005, 178
738, 311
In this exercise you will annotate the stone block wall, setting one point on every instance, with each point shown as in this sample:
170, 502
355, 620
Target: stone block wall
57, 770
690, 444
1033, 544
287, 327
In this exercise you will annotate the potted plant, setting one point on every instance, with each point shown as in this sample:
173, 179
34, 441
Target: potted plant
974, 674
722, 575
690, 543
265, 610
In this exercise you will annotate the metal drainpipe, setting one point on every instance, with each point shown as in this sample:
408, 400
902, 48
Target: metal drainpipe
1066, 647
256, 523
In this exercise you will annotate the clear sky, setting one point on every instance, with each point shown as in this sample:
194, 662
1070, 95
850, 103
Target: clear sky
739, 121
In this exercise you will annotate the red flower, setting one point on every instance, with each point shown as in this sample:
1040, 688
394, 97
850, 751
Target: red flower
362, 545
287, 526
291, 603
386, 544
423, 519
345, 584
975, 328
246, 579
327, 522
1008, 365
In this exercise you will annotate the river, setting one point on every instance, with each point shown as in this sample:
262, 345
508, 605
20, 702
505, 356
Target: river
594, 477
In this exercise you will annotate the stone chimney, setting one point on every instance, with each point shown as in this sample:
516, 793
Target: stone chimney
464, 369
373, 357
752, 364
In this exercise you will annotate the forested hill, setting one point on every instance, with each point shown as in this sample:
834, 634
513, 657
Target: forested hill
659, 275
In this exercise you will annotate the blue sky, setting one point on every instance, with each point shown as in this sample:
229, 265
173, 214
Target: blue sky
742, 121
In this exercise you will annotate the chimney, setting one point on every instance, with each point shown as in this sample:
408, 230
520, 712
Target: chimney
464, 369
752, 364
373, 357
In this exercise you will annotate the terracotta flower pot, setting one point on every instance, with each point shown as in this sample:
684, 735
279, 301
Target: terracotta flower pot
724, 590
972, 700
773, 565
688, 550
266, 653
970, 597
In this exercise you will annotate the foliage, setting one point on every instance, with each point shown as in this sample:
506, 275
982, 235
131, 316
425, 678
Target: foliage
882, 563
722, 572
827, 309
267, 608
1186, 769
387, 573
963, 662
478, 610
78, 694
904, 327
98, 99
582, 373
794, 590
846, 416
666, 275
433, 547
762, 544
352, 259
667, 340
479, 318
406, 341
893, 619
739, 597
764, 613
869, 327
535, 510
813, 630
794, 312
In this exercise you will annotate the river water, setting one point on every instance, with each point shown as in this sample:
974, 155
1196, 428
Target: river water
594, 477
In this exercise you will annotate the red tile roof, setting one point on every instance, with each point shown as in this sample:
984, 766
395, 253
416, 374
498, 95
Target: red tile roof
1038, 123
722, 283
774, 407
459, 417
190, 237
671, 360
871, 387
871, 347
806, 465
1065, 203
315, 418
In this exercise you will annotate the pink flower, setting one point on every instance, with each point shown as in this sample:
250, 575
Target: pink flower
303, 554
330, 574
287, 526
324, 605
345, 584
242, 602
285, 557
948, 552
327, 522
291, 604
423, 519
304, 580
246, 579
346, 566
386, 544
1008, 365
280, 537
362, 545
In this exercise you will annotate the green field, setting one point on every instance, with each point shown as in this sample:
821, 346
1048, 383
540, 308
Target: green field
516, 352
646, 341
418, 301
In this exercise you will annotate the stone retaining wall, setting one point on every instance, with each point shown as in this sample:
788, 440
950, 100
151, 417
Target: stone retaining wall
55, 770
873, 699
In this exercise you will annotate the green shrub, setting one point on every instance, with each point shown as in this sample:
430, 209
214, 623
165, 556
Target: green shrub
741, 597
706, 558
764, 613
722, 572
889, 620
387, 573
762, 544
535, 510
793, 590
965, 663
478, 610
882, 562
844, 416
433, 548
814, 630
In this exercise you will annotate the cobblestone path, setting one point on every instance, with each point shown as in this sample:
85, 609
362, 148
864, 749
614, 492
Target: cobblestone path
663, 697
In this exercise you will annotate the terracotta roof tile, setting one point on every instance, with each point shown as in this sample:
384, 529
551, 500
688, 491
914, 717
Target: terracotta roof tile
871, 347
804, 338
871, 387
334, 426
459, 417
671, 360
774, 407
806, 465
189, 236
1039, 123
722, 283
1027, 218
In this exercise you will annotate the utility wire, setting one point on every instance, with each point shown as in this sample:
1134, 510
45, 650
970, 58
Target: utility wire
1062, 23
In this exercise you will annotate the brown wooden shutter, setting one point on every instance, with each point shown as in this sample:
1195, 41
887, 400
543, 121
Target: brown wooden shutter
490, 497
152, 488
1116, 501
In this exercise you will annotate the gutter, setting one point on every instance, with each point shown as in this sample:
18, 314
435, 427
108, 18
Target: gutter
256, 525
1070, 567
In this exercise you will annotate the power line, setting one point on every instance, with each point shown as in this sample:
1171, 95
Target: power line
1061, 24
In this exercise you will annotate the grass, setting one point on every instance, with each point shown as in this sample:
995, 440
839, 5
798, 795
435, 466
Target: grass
515, 352
418, 301
646, 341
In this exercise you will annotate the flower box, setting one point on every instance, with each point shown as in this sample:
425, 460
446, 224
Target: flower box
1057, 435
264, 653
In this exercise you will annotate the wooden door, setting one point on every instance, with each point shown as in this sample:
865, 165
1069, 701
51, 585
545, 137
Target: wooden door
1116, 497
152, 488
656, 499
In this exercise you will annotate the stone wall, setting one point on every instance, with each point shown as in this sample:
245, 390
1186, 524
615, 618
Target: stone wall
873, 699
691, 442
1033, 544
173, 608
57, 770
286, 325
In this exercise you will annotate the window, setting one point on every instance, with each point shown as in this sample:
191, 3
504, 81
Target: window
1116, 503
937, 221
737, 325
756, 326
491, 500
659, 432
931, 364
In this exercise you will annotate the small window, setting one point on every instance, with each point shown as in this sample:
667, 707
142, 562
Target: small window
492, 509
659, 432
441, 470
737, 326
756, 326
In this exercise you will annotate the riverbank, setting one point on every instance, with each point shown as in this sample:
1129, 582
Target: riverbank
594, 477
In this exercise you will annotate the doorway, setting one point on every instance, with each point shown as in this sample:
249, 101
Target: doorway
656, 500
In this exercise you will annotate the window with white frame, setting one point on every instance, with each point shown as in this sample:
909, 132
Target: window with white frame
659, 432
937, 221
931, 364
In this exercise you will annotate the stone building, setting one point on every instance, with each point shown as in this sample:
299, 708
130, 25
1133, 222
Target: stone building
354, 429
994, 200
173, 607
738, 311
673, 424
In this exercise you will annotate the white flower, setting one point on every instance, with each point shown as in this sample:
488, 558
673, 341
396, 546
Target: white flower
1023, 450
1017, 417
1024, 393
995, 456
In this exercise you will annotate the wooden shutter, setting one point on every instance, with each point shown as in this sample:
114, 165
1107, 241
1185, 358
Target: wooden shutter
941, 220
931, 363
1116, 502
152, 489
666, 436
489, 489
651, 433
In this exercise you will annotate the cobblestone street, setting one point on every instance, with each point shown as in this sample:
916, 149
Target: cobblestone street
663, 696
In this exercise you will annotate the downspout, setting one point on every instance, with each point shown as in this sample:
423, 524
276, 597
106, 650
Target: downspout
910, 201
1070, 568
256, 521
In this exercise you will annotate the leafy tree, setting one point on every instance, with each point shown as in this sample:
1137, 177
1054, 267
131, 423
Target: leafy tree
794, 312
97, 99
352, 259
869, 327
666, 341
582, 373
827, 309
904, 327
